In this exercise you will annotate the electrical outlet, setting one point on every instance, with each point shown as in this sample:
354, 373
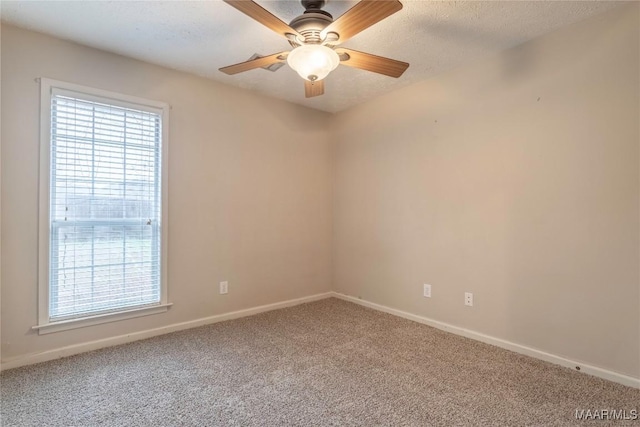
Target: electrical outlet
468, 299
224, 287
427, 291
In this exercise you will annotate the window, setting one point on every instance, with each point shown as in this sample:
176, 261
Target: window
102, 207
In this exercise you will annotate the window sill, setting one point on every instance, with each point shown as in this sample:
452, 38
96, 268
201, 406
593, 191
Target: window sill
82, 322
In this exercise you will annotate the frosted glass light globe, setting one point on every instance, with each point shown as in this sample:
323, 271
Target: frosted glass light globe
313, 61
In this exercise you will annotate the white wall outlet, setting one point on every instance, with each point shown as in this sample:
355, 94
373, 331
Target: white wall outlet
426, 291
224, 287
468, 299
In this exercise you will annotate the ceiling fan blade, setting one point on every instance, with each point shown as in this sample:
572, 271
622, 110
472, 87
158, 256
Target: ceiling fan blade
312, 89
264, 61
263, 16
360, 17
366, 61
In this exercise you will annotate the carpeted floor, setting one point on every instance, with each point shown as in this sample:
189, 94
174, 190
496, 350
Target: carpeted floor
327, 363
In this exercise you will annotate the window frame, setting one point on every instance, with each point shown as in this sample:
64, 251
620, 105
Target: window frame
47, 86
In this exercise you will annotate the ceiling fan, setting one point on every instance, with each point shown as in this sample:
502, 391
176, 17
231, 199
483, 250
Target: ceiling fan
315, 37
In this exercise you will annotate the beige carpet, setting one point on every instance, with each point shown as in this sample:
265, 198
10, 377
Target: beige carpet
328, 363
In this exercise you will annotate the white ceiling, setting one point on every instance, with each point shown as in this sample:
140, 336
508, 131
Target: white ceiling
201, 36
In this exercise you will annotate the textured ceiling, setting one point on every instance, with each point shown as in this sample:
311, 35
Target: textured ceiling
201, 36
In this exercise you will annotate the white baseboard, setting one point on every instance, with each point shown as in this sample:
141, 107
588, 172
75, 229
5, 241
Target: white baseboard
517, 348
45, 356
58, 353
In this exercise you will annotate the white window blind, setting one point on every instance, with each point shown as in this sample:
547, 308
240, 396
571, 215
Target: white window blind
105, 206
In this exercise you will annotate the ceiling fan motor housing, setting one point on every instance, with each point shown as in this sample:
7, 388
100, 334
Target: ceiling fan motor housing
311, 23
313, 4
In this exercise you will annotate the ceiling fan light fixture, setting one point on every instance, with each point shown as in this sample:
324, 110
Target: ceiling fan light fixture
313, 62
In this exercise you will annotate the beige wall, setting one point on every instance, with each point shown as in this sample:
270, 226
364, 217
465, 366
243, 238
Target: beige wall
515, 179
249, 190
